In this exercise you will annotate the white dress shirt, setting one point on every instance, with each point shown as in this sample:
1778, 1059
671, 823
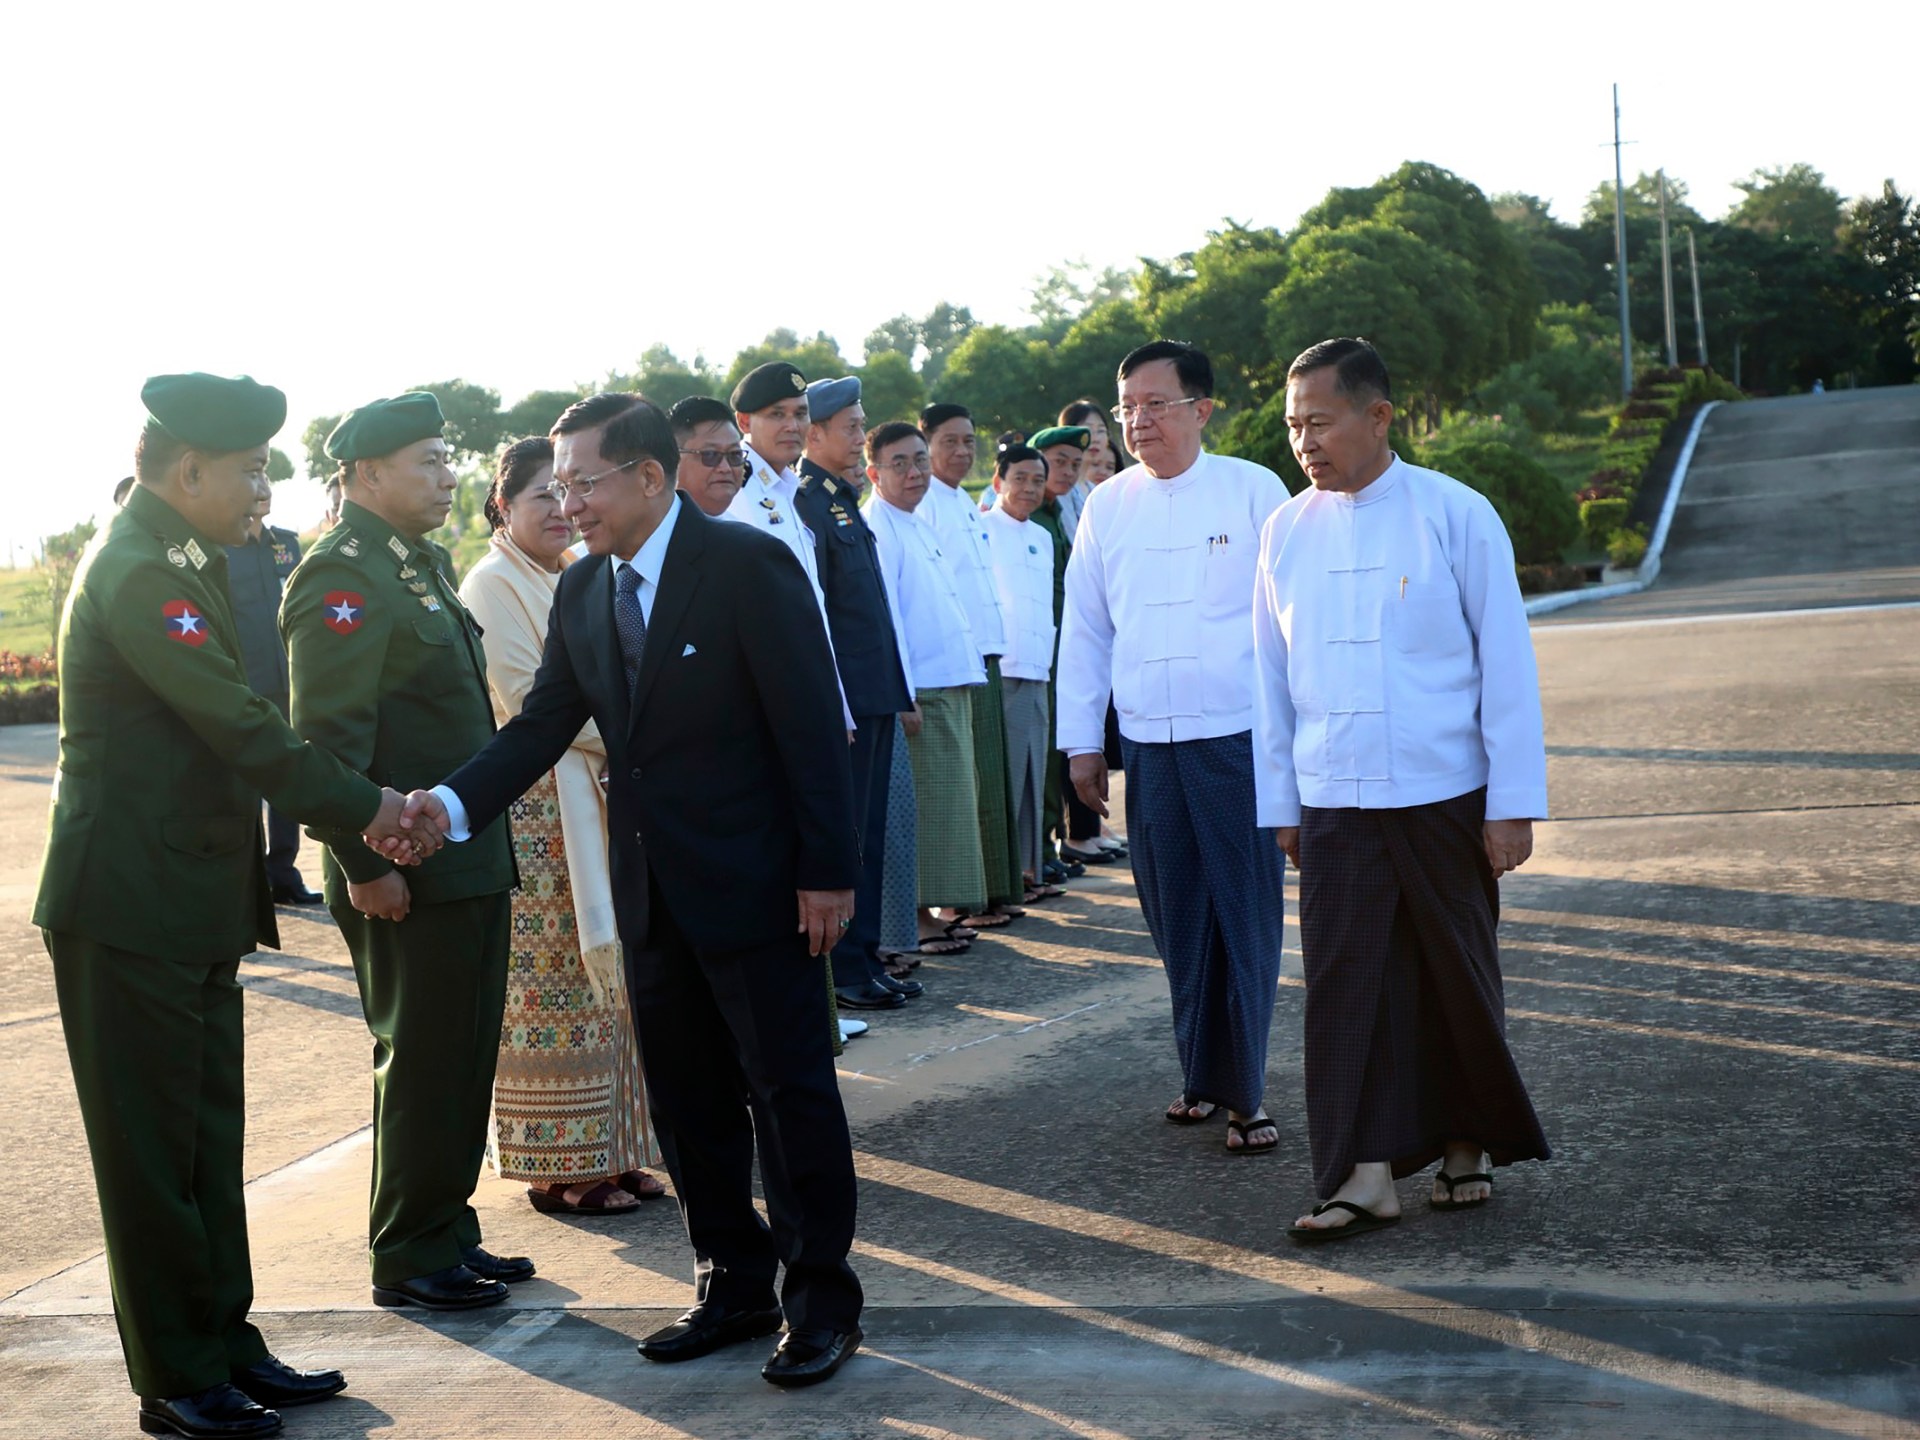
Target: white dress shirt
962, 529
1023, 576
1395, 665
1157, 611
1072, 503
765, 500
940, 642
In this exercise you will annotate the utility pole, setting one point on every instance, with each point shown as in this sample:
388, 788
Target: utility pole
1620, 255
1699, 315
1666, 276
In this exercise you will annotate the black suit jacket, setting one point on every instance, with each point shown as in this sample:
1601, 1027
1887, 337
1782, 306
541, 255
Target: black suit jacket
729, 775
857, 608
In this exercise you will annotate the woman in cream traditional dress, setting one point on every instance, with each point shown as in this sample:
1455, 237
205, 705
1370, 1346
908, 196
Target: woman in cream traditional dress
570, 1113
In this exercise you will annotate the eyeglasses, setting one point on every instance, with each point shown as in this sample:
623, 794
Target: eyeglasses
736, 458
560, 489
901, 465
1154, 410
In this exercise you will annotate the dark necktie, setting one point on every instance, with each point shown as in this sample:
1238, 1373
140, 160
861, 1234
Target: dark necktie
631, 623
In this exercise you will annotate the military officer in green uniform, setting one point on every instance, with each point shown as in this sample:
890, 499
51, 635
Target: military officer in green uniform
153, 888
388, 675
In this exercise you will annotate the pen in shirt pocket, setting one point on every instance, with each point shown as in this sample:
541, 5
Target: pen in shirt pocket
1403, 587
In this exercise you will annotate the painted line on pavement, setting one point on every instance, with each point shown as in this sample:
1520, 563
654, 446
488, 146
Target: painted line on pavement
1805, 612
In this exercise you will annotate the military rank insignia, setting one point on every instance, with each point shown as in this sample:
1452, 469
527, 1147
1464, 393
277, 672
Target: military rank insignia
196, 554
176, 556
343, 611
185, 623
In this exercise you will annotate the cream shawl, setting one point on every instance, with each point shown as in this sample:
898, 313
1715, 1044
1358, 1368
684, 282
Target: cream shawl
511, 596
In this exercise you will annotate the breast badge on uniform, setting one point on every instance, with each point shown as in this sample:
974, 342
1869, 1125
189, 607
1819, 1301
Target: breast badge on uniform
351, 549
177, 556
429, 603
185, 623
398, 547
344, 611
196, 554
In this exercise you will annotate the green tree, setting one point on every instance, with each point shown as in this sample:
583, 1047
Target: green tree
279, 465
1066, 292
1216, 297
59, 558
1883, 232
313, 440
1411, 299
1562, 272
666, 379
1575, 366
941, 333
1792, 202
1643, 203
473, 415
818, 358
889, 390
534, 413
900, 335
1086, 360
1004, 378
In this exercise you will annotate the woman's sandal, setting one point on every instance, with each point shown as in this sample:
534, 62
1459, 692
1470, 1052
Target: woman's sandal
1452, 1180
641, 1185
936, 945
552, 1199
898, 962
1246, 1146
984, 920
1043, 892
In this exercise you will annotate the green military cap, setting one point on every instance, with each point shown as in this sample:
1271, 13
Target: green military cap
381, 427
212, 412
1076, 435
766, 385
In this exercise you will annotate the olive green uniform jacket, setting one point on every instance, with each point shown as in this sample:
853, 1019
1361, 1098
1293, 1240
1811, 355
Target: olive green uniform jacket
152, 887
389, 675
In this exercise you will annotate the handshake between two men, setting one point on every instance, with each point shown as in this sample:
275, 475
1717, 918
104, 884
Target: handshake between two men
407, 829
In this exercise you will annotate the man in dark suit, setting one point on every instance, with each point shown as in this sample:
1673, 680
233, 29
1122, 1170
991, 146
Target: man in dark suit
697, 648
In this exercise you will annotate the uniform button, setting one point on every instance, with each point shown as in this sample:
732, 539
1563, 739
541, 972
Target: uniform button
639, 839
634, 774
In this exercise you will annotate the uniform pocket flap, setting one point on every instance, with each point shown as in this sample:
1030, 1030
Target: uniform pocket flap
433, 629
209, 834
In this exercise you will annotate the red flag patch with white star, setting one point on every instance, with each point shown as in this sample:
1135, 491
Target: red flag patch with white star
184, 622
342, 610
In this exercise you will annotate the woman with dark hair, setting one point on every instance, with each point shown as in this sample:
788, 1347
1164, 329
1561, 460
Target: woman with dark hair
570, 1112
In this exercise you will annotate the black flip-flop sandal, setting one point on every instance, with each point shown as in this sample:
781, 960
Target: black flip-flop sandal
957, 931
1452, 1180
1247, 1147
1363, 1222
1183, 1118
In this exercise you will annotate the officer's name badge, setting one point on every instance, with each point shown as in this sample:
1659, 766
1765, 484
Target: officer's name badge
196, 554
177, 556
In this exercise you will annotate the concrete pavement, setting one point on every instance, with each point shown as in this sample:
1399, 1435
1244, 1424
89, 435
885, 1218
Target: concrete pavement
1713, 965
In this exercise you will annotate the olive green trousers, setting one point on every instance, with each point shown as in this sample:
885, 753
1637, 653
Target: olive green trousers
158, 1063
434, 988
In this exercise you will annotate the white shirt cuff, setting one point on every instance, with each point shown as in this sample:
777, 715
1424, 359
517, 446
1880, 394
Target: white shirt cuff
456, 814
1083, 750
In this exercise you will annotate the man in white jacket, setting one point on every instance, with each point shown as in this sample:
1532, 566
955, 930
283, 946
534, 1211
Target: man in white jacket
1399, 735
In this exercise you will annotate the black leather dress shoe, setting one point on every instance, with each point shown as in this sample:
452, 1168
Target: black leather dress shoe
870, 996
295, 895
1073, 854
507, 1269
906, 989
705, 1329
806, 1357
218, 1413
275, 1383
455, 1288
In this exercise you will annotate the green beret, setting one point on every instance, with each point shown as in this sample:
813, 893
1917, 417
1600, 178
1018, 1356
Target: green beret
766, 385
381, 427
1076, 435
211, 412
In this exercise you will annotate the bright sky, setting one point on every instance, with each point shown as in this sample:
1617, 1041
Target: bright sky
347, 199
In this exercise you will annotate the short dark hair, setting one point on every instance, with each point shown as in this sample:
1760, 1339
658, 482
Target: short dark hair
519, 463
155, 452
1190, 363
1359, 372
690, 414
939, 413
891, 433
1081, 411
632, 428
1008, 456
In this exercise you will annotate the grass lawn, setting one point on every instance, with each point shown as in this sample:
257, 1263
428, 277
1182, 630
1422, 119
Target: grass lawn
26, 627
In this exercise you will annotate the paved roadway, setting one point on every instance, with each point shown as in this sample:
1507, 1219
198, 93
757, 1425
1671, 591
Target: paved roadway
1713, 965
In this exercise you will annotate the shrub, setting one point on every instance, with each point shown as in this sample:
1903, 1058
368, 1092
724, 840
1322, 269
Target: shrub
1545, 579
1600, 518
36, 704
1627, 548
1532, 501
